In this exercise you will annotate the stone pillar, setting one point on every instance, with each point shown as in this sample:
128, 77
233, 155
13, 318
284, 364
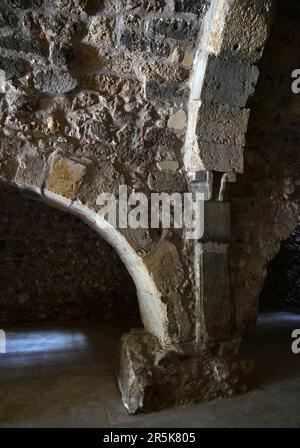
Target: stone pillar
210, 364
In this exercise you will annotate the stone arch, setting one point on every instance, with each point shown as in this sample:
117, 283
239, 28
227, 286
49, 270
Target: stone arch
72, 184
59, 182
224, 75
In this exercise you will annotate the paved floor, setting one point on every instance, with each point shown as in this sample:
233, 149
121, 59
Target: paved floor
62, 376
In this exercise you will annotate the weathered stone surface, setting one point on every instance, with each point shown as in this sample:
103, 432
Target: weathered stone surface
102, 179
65, 176
172, 165
161, 137
109, 84
135, 369
18, 3
219, 157
220, 132
216, 291
53, 81
228, 82
8, 19
246, 29
168, 72
21, 44
60, 54
151, 377
165, 265
216, 221
265, 209
165, 92
13, 67
167, 181
31, 173
66, 27
222, 124
71, 6
136, 42
199, 7
148, 5
101, 30
174, 28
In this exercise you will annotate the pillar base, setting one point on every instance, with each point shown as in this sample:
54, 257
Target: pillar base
151, 377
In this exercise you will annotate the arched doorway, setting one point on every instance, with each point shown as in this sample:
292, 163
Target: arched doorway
66, 298
281, 290
55, 267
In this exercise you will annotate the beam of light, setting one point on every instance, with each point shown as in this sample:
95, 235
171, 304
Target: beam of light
45, 341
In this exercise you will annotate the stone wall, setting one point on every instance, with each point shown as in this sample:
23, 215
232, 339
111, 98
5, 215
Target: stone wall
106, 79
265, 199
54, 267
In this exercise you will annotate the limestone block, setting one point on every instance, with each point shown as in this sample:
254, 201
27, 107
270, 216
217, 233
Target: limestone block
101, 30
228, 81
53, 81
166, 93
246, 29
65, 176
173, 27
31, 174
137, 42
169, 72
167, 181
102, 179
222, 124
224, 158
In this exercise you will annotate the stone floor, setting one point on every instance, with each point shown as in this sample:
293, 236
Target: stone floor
63, 376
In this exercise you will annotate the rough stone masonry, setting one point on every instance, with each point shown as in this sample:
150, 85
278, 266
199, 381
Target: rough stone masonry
152, 94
